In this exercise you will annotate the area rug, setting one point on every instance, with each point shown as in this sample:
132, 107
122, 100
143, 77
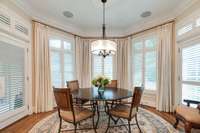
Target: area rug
149, 123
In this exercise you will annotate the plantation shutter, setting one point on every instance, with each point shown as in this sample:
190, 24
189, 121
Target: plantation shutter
108, 67
97, 65
62, 61
103, 66
12, 77
191, 72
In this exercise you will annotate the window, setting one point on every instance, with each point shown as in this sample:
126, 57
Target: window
62, 61
102, 66
12, 78
191, 72
185, 29
144, 63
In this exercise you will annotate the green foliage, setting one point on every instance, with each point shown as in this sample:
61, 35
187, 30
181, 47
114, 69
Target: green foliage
100, 81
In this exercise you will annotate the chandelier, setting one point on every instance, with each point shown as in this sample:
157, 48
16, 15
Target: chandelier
103, 47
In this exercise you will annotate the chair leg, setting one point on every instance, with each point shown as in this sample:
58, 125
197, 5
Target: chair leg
129, 127
187, 127
98, 115
137, 124
108, 124
75, 127
176, 123
60, 125
94, 124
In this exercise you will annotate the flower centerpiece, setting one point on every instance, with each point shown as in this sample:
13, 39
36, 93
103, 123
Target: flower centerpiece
100, 82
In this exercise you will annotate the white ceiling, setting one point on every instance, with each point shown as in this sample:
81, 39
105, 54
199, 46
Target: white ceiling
122, 16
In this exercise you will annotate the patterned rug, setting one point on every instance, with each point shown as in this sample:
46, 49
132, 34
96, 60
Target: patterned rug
149, 123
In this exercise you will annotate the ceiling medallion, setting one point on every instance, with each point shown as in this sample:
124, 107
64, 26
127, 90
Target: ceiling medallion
104, 47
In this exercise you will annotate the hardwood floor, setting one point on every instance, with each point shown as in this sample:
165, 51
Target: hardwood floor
25, 124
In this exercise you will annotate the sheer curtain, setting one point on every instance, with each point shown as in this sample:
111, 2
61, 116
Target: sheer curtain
42, 88
83, 61
165, 69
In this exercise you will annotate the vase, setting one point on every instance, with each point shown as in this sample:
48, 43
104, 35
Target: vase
101, 91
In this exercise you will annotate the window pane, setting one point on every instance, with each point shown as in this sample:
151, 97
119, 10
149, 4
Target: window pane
56, 69
108, 67
68, 67
97, 65
68, 76
67, 45
11, 77
150, 70
191, 63
55, 43
190, 92
150, 43
137, 69
138, 46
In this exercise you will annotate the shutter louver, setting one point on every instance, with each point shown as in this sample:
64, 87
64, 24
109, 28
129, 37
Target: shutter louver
11, 77
108, 67
191, 72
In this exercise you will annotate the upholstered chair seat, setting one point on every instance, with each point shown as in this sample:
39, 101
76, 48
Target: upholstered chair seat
189, 114
122, 111
79, 113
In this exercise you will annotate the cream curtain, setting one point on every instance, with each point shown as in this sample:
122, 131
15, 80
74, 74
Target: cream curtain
42, 88
123, 64
164, 74
83, 62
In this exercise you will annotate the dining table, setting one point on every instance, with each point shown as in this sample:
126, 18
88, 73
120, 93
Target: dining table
96, 95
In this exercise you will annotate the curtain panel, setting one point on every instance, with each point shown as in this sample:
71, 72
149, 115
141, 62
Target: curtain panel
123, 63
83, 61
165, 68
42, 88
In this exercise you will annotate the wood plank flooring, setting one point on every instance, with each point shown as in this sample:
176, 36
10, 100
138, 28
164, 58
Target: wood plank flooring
26, 123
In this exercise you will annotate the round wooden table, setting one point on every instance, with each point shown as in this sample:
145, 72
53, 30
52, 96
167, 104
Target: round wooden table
93, 95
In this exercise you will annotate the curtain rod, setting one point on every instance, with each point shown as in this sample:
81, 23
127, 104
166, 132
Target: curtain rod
54, 27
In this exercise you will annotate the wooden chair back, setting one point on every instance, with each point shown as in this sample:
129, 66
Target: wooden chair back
63, 99
73, 85
137, 96
113, 84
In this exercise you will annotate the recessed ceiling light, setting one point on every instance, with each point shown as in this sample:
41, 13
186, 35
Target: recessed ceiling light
68, 14
146, 14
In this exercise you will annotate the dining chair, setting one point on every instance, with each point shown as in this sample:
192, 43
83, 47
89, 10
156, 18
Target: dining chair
74, 86
68, 112
128, 110
112, 84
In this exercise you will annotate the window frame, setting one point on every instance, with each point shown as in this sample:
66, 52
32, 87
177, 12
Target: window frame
144, 50
62, 52
181, 46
